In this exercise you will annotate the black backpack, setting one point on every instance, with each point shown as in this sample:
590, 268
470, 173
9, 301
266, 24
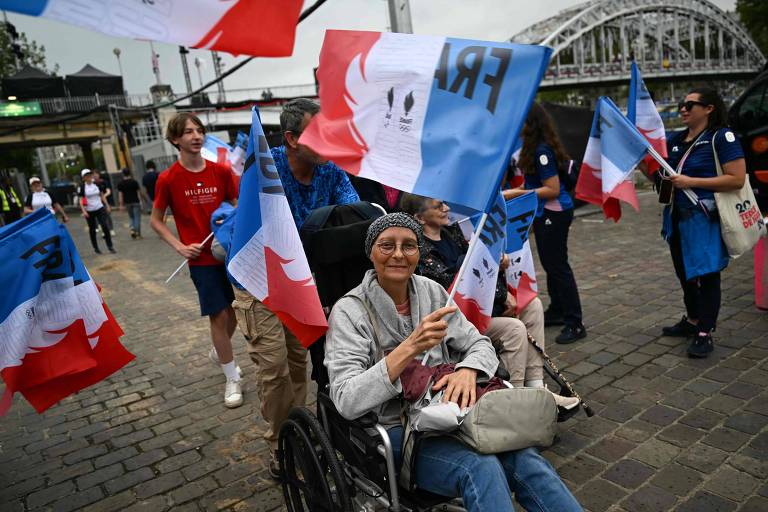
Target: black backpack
333, 238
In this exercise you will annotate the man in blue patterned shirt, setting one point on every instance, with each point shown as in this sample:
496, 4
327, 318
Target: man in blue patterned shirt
281, 361
309, 181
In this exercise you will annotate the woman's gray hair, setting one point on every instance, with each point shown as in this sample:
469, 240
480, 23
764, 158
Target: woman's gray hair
392, 220
293, 114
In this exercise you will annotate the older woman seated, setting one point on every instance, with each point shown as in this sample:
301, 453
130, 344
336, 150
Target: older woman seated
393, 317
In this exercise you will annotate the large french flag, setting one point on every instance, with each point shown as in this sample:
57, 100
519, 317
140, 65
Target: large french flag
266, 255
614, 148
240, 27
641, 110
57, 336
477, 288
521, 273
435, 116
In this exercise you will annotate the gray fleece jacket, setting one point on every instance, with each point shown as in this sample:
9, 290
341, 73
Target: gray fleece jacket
357, 370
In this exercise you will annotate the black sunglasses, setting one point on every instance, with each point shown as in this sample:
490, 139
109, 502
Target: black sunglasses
688, 105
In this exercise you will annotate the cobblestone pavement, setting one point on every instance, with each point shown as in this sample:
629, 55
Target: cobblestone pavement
670, 433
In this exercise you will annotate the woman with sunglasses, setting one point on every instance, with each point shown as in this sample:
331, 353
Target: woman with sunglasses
693, 231
540, 157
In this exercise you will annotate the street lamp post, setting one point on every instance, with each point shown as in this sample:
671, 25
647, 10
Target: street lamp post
198, 64
117, 52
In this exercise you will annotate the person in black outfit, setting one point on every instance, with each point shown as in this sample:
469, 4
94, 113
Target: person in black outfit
129, 194
540, 156
149, 180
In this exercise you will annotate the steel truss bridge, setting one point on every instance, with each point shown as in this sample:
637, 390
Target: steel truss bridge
594, 42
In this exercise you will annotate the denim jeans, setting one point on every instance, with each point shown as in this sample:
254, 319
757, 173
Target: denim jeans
486, 482
134, 212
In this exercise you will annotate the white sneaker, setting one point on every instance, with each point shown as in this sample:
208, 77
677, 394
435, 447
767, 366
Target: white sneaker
566, 402
233, 394
214, 357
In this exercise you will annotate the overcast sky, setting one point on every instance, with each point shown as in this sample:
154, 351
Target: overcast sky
71, 47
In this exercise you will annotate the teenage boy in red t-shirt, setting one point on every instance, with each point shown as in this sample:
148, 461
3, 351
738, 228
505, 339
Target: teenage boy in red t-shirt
193, 188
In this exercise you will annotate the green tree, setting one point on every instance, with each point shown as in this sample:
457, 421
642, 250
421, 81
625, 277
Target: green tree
32, 53
754, 16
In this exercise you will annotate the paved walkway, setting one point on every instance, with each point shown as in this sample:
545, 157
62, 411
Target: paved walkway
670, 433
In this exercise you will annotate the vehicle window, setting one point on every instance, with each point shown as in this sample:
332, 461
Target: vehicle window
753, 112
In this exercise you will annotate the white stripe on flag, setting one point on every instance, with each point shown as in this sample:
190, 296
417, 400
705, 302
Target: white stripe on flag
612, 176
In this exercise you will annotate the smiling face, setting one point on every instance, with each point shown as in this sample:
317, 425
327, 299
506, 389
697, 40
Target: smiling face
191, 139
434, 215
396, 267
698, 112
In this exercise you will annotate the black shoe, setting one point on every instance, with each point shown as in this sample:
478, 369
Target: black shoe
682, 329
570, 334
701, 346
274, 467
112, 250
98, 251
553, 319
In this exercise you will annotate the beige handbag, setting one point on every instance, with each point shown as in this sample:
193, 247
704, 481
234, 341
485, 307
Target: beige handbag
741, 223
510, 419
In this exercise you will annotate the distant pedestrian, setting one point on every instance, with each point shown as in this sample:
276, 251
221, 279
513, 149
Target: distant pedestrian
102, 180
540, 157
10, 204
149, 180
95, 209
38, 198
129, 193
193, 188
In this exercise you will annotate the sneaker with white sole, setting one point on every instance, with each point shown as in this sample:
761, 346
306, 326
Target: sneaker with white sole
233, 394
214, 357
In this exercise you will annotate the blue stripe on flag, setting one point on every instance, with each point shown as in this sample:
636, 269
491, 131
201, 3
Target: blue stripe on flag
28, 7
520, 213
621, 142
474, 118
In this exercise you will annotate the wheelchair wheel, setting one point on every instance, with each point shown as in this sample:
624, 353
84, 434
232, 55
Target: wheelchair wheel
312, 478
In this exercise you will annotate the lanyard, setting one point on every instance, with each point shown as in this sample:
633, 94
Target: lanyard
680, 164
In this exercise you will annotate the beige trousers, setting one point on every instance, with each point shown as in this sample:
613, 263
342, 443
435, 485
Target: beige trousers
510, 337
281, 362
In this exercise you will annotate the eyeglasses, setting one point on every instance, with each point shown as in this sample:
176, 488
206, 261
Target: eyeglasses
688, 105
408, 248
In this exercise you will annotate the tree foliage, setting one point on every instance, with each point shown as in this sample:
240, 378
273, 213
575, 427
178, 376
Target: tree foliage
32, 54
754, 16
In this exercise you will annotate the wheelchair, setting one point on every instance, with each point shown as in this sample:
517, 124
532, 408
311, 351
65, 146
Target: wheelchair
329, 463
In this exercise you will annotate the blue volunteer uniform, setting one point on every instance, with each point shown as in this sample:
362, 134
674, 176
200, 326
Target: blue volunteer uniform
546, 167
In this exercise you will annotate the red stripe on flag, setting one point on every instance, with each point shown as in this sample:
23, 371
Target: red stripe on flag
525, 292
472, 311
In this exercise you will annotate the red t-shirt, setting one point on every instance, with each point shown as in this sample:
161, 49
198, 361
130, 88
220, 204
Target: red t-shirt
193, 197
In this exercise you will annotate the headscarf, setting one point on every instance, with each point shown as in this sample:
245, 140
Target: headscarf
392, 220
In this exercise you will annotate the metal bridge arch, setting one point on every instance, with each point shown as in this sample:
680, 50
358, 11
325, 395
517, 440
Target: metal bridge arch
595, 41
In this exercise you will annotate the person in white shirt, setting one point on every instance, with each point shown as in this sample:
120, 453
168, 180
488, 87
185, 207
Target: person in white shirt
95, 209
39, 198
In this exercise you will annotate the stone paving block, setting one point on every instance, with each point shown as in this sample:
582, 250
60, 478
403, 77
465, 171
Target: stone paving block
155, 504
228, 496
128, 480
755, 467
60, 473
113, 503
203, 468
179, 461
726, 439
78, 501
611, 449
649, 499
97, 477
132, 438
661, 415
704, 501
570, 443
701, 418
743, 390
193, 490
655, 453
628, 473
704, 387
680, 435
115, 456
159, 484
580, 469
49, 494
732, 484
702, 458
636, 430
620, 411
755, 504
677, 479
161, 441
599, 495
723, 404
683, 373
747, 422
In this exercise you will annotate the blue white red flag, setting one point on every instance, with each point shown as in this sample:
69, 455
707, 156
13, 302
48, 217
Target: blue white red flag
266, 255
57, 335
434, 116
233, 158
521, 273
477, 288
240, 27
614, 149
641, 110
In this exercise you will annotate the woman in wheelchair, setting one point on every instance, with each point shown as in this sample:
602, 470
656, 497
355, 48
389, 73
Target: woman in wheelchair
390, 319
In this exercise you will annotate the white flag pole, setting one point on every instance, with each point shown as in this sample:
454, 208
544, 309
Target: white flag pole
186, 260
671, 172
460, 273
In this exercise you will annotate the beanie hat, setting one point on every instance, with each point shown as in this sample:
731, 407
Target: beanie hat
392, 220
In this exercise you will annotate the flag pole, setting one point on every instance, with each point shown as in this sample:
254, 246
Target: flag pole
671, 172
462, 268
186, 260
